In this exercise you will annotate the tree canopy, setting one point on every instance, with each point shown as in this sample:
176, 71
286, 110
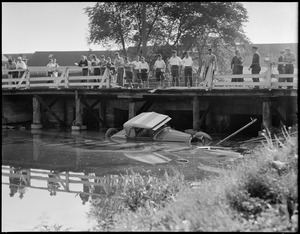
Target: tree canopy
184, 25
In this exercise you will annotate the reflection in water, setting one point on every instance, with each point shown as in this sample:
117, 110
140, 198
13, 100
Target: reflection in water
68, 167
85, 195
53, 185
19, 179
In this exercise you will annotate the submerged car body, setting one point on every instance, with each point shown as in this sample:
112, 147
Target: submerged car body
152, 126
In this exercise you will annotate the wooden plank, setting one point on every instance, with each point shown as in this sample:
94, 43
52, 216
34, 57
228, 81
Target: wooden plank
90, 107
49, 109
261, 75
90, 110
204, 116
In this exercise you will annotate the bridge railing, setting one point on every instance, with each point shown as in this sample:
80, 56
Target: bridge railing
268, 79
71, 76
37, 77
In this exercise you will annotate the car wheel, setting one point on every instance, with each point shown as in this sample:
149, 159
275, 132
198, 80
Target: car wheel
201, 137
109, 133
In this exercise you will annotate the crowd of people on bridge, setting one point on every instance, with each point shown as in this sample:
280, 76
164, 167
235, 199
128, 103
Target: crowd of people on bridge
135, 73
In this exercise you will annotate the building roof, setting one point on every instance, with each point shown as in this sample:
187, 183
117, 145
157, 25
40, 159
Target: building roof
25, 56
64, 58
4, 58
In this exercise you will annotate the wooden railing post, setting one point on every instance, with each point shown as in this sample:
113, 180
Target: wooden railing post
269, 76
22, 79
28, 79
66, 77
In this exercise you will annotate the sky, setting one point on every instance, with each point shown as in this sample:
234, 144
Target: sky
28, 27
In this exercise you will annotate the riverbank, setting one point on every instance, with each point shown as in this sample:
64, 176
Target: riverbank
258, 194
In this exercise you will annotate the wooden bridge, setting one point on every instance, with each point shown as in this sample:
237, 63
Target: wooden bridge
70, 77
99, 91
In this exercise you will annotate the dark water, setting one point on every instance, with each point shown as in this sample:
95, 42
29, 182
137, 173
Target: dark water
53, 177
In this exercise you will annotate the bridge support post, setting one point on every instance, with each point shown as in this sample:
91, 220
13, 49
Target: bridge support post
36, 116
289, 112
77, 124
196, 114
131, 108
102, 114
267, 114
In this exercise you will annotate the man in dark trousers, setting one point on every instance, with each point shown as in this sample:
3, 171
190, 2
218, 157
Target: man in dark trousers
255, 65
289, 58
280, 67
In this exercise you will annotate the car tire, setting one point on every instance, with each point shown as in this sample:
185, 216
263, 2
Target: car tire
110, 132
203, 137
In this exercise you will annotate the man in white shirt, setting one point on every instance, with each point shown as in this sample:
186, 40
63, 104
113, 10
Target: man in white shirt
136, 74
144, 70
119, 64
160, 68
174, 64
187, 64
21, 65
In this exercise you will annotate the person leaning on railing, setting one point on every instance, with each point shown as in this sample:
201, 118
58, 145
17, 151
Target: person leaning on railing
112, 70
83, 63
102, 64
12, 66
95, 62
21, 65
289, 57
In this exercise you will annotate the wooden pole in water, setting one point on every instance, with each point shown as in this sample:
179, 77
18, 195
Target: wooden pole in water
196, 114
78, 105
267, 114
131, 109
252, 121
36, 115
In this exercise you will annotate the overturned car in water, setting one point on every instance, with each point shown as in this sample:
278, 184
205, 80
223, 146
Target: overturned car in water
152, 126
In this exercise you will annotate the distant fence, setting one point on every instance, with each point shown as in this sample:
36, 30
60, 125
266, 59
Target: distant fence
71, 77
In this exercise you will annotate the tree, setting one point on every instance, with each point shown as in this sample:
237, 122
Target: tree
109, 22
182, 25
